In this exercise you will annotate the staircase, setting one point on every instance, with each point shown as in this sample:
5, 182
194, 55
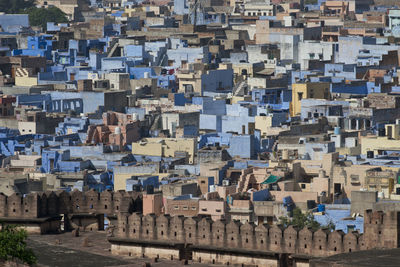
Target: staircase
113, 47
244, 182
239, 89
163, 61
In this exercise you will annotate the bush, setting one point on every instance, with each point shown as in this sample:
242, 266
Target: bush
40, 16
300, 220
13, 245
15, 6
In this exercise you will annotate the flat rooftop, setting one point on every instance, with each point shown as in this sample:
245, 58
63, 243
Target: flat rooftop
375, 257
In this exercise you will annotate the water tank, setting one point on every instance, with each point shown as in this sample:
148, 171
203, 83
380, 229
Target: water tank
117, 130
336, 130
311, 204
150, 189
135, 116
285, 154
381, 132
82, 114
146, 75
290, 207
370, 154
381, 195
136, 188
321, 207
287, 200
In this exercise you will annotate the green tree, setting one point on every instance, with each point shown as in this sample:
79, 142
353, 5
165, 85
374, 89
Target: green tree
300, 220
15, 6
13, 245
40, 16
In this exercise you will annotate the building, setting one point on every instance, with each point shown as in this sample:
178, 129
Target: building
305, 91
166, 147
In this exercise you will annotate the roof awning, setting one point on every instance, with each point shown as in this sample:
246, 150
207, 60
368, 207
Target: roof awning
271, 179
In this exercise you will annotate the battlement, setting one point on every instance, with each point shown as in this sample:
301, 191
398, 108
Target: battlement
48, 204
203, 232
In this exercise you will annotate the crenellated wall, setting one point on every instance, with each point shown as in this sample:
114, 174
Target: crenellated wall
380, 232
48, 204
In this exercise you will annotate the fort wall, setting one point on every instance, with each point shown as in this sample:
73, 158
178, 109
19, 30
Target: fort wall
202, 235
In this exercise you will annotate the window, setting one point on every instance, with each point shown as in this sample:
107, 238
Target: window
194, 208
185, 207
303, 186
300, 96
176, 207
218, 210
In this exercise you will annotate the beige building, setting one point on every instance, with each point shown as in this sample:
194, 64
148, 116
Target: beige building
26, 81
214, 208
378, 144
319, 90
166, 147
263, 124
122, 173
381, 180
258, 8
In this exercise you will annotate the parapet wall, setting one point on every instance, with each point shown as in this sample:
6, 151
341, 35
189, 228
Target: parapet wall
380, 232
49, 204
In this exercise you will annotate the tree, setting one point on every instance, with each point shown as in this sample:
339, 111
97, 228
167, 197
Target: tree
13, 245
300, 220
40, 16
15, 6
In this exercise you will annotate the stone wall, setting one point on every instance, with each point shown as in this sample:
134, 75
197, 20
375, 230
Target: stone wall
50, 204
380, 232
